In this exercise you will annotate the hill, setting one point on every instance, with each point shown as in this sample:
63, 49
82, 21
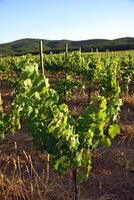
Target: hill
25, 46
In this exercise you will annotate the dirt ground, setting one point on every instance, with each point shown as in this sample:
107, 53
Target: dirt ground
24, 170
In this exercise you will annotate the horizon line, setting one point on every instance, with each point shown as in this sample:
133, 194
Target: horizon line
30, 38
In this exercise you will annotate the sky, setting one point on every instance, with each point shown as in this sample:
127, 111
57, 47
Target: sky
66, 19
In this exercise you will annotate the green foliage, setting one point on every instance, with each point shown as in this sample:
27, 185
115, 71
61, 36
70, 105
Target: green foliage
70, 142
5, 121
127, 71
48, 120
68, 84
113, 130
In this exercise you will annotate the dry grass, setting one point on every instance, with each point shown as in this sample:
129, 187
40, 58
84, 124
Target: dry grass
24, 175
20, 180
127, 121
127, 135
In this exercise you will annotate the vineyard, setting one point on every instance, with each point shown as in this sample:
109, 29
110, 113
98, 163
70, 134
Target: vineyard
66, 126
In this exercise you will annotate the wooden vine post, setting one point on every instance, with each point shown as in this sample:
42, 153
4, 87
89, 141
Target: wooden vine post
75, 185
41, 57
74, 170
65, 75
66, 52
89, 93
89, 87
1, 108
43, 72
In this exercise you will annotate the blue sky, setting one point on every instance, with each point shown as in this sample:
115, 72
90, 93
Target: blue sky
66, 19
